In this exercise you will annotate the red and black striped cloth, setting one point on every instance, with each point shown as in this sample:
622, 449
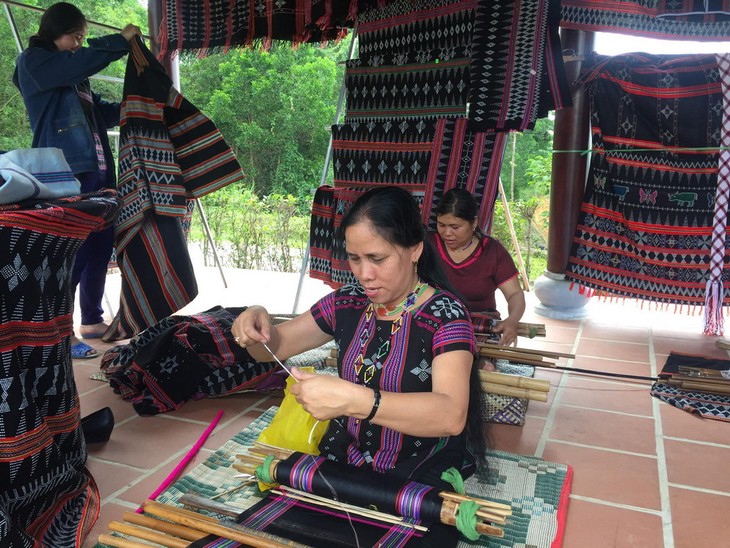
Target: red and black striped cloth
47, 497
169, 154
646, 224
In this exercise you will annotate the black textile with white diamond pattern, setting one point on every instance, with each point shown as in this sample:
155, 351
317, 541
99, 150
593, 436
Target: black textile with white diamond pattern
645, 226
47, 496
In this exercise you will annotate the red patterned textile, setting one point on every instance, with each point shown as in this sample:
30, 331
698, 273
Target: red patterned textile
47, 497
646, 224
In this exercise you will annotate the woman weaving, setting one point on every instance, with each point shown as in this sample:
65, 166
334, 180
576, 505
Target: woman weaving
407, 385
477, 265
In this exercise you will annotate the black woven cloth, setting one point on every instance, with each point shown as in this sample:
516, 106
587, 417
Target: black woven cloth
47, 497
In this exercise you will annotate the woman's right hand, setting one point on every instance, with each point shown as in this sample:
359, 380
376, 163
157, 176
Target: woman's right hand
130, 31
252, 326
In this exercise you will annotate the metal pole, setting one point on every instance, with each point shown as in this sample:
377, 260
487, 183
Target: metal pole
325, 169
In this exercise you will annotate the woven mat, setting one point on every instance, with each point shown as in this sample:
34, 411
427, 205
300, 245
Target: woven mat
536, 489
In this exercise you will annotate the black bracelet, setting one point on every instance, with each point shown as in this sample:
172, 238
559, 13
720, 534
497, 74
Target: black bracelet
376, 404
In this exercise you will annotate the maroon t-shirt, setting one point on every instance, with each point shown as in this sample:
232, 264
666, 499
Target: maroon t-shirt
477, 277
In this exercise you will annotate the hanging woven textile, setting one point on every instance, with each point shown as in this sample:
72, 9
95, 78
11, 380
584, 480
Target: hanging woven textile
517, 71
688, 20
410, 25
47, 497
646, 224
169, 154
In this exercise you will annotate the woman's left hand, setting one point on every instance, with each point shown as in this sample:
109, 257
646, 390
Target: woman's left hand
326, 396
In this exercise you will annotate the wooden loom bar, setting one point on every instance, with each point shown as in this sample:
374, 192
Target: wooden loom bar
545, 353
119, 542
163, 526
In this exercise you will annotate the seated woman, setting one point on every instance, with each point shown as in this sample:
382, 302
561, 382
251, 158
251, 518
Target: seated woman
407, 389
475, 264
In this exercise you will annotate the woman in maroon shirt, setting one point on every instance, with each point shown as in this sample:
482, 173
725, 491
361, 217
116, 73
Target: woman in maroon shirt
475, 264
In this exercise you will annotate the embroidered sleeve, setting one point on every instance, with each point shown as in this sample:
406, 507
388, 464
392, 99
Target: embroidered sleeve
456, 335
323, 312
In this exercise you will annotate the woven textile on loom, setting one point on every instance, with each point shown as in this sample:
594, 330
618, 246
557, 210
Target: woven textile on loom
689, 20
427, 157
646, 223
169, 154
537, 490
47, 497
517, 72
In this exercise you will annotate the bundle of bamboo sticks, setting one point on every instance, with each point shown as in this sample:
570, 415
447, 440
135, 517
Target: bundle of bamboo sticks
514, 386
524, 329
490, 515
525, 356
175, 527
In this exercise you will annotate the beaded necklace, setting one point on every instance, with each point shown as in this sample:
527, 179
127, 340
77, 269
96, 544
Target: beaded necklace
369, 328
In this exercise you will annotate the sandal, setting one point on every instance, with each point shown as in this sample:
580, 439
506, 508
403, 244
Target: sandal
82, 351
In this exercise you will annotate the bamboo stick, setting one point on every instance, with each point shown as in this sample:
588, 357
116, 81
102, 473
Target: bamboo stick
202, 503
514, 380
497, 506
147, 534
119, 542
699, 386
545, 353
515, 357
163, 526
448, 516
514, 392
239, 534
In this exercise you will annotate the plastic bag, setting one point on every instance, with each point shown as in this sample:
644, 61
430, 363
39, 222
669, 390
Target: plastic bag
292, 427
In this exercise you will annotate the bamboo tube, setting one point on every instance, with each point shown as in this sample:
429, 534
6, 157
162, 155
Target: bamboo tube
699, 386
448, 516
545, 353
330, 362
497, 506
119, 542
514, 392
163, 526
147, 534
528, 359
239, 534
514, 380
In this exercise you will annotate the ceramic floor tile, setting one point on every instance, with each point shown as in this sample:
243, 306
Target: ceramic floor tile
593, 525
522, 440
609, 476
111, 477
613, 350
609, 332
699, 519
109, 512
677, 423
698, 465
610, 365
558, 334
697, 347
604, 429
599, 393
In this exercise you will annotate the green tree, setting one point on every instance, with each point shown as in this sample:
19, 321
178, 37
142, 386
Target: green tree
527, 165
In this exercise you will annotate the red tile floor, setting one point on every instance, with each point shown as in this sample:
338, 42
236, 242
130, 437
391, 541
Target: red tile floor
645, 474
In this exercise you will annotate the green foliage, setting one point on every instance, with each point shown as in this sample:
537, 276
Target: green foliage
252, 233
527, 165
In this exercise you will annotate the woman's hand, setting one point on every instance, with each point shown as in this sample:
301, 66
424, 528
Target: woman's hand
252, 326
130, 31
508, 331
327, 397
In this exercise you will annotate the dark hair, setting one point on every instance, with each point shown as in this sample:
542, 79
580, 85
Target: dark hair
394, 215
61, 18
459, 203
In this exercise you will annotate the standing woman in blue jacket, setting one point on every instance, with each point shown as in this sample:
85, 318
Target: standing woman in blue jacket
52, 75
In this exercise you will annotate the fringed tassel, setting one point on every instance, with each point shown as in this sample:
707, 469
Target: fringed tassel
325, 21
163, 38
352, 11
714, 320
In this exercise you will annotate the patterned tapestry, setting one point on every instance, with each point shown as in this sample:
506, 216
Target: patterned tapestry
646, 224
404, 25
427, 157
517, 71
408, 83
699, 20
47, 497
169, 154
